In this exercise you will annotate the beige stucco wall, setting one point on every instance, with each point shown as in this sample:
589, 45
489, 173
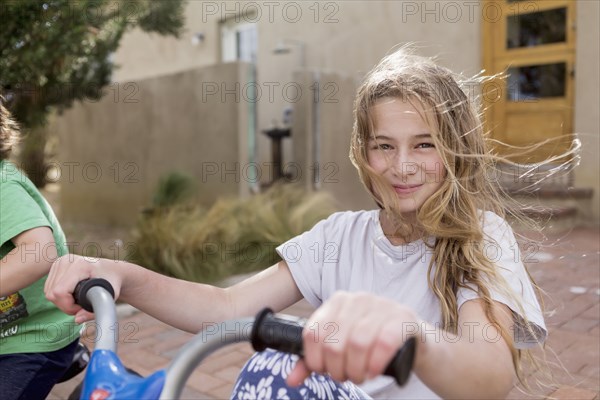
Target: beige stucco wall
587, 101
143, 55
112, 153
322, 142
342, 36
346, 37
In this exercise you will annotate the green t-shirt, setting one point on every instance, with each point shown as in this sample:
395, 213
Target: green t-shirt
29, 323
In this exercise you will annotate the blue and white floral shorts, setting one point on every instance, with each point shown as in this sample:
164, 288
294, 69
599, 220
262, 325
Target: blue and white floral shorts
263, 377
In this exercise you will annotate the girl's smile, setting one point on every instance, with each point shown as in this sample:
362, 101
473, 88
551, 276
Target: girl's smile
406, 189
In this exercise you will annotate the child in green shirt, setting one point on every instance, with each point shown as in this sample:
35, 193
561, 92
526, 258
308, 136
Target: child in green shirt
37, 341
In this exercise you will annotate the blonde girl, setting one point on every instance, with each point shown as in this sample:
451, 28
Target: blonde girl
435, 260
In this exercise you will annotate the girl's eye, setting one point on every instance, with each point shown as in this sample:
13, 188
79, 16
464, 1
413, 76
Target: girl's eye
425, 145
384, 146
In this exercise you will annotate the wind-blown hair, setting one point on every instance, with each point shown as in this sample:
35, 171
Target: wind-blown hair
9, 132
453, 213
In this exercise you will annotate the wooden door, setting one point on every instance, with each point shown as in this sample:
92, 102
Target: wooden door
533, 44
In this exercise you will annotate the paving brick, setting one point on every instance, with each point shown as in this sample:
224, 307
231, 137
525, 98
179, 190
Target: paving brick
559, 340
571, 393
133, 337
593, 312
228, 374
593, 372
203, 382
562, 292
175, 342
562, 375
147, 331
171, 354
189, 393
145, 359
136, 344
244, 348
212, 364
142, 320
63, 390
587, 347
567, 311
221, 392
171, 333
533, 393
579, 324
573, 362
239, 347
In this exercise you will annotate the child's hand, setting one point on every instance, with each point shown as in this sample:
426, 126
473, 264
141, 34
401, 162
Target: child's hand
64, 275
353, 336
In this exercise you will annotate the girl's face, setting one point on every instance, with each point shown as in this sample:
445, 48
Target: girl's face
402, 151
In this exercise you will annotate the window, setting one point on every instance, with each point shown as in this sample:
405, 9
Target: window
239, 40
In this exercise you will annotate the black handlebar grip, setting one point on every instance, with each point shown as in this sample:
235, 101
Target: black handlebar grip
401, 365
286, 335
80, 292
276, 333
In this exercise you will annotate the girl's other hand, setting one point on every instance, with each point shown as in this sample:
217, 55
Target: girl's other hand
66, 272
353, 336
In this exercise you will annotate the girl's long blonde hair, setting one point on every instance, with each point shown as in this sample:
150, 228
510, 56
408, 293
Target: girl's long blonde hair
453, 214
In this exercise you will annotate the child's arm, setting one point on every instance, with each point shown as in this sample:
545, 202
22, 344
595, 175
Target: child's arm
365, 331
30, 260
185, 305
476, 363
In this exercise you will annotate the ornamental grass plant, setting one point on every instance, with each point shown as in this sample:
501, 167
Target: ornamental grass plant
234, 236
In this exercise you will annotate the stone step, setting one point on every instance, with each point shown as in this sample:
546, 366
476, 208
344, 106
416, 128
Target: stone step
553, 205
547, 212
575, 193
549, 218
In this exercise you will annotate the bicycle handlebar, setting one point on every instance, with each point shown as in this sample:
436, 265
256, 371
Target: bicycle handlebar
97, 295
286, 335
267, 330
83, 287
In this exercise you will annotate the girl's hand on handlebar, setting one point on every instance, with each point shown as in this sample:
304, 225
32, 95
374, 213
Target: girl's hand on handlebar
353, 336
64, 275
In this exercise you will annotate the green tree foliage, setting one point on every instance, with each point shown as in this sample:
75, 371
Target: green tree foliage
54, 52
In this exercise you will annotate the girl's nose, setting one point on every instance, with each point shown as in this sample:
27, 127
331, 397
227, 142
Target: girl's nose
403, 165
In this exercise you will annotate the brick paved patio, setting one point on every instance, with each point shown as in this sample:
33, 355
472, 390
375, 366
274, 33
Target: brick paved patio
567, 267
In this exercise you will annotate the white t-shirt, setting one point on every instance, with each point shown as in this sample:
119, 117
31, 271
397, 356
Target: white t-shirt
349, 251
